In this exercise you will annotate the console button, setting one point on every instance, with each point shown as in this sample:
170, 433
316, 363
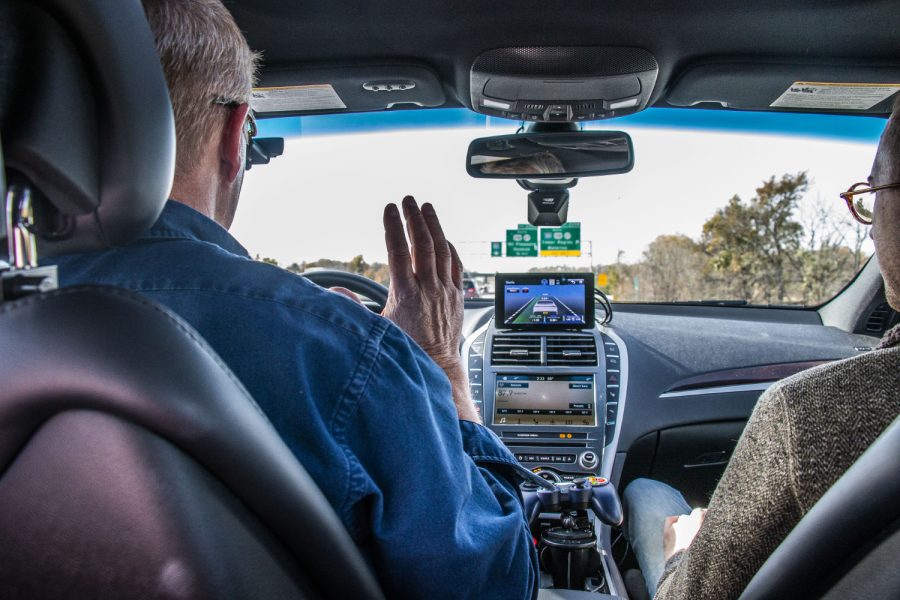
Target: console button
558, 112
475, 376
612, 394
612, 410
476, 361
588, 460
612, 362
545, 458
610, 433
612, 379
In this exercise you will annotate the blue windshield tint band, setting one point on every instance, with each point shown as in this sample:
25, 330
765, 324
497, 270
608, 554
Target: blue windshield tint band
851, 127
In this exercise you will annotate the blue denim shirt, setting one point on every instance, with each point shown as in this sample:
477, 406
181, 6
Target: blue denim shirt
431, 500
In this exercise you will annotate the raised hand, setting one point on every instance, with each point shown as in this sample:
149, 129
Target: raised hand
425, 297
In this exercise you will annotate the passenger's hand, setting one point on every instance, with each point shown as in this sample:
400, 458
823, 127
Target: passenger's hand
680, 531
425, 298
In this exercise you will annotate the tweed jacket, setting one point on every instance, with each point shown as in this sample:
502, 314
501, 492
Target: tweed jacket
804, 433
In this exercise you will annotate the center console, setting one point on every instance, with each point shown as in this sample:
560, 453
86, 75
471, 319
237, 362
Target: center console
551, 384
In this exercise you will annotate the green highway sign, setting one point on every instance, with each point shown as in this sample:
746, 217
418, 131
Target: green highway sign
522, 241
561, 241
496, 248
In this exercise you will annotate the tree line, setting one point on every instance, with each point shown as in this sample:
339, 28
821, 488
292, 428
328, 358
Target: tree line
376, 271
774, 248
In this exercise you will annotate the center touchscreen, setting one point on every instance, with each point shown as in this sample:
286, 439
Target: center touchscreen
544, 400
546, 301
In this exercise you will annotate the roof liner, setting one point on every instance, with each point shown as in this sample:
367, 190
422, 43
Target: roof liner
447, 35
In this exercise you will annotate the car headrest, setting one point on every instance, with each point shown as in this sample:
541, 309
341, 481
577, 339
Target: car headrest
85, 119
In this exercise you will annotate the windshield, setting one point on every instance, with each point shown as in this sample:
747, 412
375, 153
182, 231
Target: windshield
720, 206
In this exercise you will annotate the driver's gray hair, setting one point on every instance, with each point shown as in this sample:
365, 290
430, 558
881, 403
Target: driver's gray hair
205, 58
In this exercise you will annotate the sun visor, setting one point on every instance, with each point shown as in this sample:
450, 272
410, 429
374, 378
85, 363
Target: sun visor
786, 86
318, 90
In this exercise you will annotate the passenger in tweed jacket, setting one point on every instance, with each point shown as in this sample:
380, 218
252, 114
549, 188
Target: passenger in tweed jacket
804, 433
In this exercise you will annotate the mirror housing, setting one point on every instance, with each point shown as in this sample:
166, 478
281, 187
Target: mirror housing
550, 155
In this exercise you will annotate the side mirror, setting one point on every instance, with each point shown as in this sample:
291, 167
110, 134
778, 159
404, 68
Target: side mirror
551, 155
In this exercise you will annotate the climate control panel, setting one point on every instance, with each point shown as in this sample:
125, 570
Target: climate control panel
553, 398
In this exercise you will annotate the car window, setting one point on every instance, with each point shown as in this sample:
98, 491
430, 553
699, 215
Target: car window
720, 206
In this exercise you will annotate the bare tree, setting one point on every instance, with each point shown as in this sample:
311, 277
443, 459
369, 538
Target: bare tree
673, 265
831, 252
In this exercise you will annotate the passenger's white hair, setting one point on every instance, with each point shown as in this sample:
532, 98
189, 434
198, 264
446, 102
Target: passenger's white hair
205, 58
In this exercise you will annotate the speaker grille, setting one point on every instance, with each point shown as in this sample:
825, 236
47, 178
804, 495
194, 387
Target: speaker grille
565, 61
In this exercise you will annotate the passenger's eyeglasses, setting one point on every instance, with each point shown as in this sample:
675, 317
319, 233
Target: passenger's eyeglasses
860, 199
251, 130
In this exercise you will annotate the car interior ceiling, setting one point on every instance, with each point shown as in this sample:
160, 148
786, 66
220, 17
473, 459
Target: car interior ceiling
690, 389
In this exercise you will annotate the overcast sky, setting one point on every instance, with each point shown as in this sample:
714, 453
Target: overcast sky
324, 197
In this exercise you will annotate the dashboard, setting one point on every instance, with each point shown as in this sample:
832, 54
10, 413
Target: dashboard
664, 391
663, 372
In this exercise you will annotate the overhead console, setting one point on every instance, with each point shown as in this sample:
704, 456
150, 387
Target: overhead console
562, 83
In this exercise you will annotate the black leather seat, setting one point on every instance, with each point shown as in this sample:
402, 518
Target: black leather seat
132, 463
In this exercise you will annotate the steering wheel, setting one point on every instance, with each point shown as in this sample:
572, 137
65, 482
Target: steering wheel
354, 282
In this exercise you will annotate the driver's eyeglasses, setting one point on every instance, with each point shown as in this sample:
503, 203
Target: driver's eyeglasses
251, 129
860, 199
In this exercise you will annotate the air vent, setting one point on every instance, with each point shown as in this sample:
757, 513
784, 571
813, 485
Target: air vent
516, 350
877, 322
571, 350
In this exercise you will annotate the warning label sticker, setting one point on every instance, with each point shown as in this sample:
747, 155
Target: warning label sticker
836, 96
295, 98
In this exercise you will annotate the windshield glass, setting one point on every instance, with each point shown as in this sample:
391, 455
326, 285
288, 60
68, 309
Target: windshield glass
720, 206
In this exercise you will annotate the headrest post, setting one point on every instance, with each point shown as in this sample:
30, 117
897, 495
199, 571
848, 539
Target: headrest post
21, 240
23, 277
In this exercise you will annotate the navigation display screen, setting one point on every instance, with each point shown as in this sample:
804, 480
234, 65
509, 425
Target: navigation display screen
546, 301
544, 400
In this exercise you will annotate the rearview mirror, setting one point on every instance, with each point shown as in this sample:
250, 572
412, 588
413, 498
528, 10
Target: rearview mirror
551, 155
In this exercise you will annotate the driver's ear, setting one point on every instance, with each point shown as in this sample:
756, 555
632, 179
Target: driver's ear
233, 140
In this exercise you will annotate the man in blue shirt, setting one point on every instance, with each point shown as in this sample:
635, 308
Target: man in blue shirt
377, 408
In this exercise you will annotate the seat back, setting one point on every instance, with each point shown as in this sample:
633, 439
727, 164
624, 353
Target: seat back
848, 544
132, 462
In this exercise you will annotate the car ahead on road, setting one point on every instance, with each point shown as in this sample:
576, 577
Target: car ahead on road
470, 290
545, 306
731, 260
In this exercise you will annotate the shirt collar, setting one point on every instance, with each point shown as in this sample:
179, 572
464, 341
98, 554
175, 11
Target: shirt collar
180, 221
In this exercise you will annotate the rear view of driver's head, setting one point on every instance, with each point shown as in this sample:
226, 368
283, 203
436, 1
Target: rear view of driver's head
210, 72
